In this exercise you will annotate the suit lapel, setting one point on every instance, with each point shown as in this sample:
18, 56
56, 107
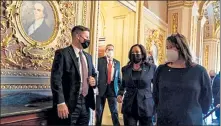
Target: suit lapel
144, 70
105, 66
130, 74
74, 58
115, 63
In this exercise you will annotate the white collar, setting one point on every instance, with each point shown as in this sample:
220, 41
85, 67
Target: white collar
76, 50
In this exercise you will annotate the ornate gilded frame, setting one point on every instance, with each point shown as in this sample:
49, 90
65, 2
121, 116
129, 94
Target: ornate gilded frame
19, 52
30, 40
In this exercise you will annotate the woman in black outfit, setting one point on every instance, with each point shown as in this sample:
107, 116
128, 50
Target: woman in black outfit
181, 90
136, 81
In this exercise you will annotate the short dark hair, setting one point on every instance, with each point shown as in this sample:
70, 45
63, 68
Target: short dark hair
180, 42
78, 28
143, 52
109, 45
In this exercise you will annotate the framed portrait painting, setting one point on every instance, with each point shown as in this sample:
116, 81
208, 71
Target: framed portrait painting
38, 21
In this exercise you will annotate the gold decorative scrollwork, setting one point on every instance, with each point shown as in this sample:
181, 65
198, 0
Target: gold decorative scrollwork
174, 22
20, 52
84, 13
26, 74
206, 57
158, 40
25, 86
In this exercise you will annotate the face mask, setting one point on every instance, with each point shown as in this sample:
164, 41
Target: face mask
211, 77
85, 44
136, 58
110, 54
172, 55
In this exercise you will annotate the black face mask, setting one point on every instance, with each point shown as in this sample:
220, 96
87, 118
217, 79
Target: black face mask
136, 58
85, 44
211, 77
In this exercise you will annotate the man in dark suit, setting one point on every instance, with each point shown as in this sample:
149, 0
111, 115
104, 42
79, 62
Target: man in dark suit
108, 84
72, 80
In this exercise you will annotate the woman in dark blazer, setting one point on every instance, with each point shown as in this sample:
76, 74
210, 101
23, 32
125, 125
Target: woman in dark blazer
136, 81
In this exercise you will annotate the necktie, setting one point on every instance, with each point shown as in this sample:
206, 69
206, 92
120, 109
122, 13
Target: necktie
84, 75
109, 69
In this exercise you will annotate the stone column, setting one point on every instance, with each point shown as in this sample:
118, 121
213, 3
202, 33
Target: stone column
94, 18
139, 22
210, 53
199, 40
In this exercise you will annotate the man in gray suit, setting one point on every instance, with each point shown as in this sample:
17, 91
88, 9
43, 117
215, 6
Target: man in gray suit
108, 85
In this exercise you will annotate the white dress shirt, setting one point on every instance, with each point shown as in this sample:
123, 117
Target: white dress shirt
77, 51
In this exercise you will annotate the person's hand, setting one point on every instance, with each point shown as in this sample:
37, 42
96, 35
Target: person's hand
62, 111
119, 99
91, 81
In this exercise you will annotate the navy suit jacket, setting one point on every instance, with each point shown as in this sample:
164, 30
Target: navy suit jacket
102, 82
142, 93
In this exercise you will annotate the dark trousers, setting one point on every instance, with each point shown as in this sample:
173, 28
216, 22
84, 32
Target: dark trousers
81, 114
79, 117
217, 113
133, 120
112, 102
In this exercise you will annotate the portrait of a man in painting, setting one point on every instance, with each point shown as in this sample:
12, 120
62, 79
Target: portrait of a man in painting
37, 20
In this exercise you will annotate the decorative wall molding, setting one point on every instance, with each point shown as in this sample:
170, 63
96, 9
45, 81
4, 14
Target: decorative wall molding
24, 86
84, 16
173, 4
22, 73
174, 23
210, 41
129, 4
155, 18
206, 57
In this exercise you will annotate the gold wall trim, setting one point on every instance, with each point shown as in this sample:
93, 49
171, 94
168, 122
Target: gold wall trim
84, 13
19, 73
24, 86
174, 23
173, 4
206, 57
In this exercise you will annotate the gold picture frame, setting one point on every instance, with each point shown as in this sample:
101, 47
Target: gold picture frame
52, 11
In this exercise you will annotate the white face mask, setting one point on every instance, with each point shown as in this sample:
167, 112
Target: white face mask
110, 54
172, 55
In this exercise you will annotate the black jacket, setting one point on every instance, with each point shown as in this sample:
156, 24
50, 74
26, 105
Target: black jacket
65, 78
142, 93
